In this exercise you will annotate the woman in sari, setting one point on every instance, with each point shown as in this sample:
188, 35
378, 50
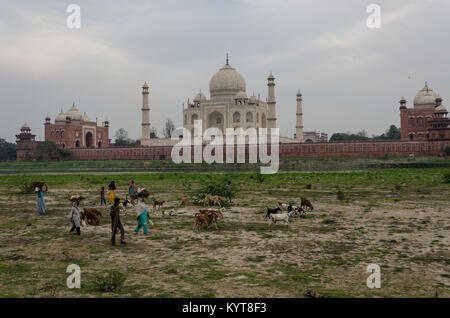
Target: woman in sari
131, 190
112, 189
142, 213
40, 198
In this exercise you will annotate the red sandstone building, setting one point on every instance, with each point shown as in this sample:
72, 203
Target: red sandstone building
76, 130
26, 144
427, 120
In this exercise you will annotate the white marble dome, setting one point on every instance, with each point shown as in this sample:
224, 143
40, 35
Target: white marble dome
61, 116
227, 82
74, 113
426, 96
200, 97
241, 95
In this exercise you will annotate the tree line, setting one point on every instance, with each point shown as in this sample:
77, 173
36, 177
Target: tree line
393, 133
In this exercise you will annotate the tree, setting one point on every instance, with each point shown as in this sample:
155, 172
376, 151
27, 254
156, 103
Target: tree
393, 133
168, 129
153, 133
121, 139
50, 150
7, 150
349, 136
121, 136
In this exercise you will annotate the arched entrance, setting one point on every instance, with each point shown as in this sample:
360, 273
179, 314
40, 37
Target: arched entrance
89, 140
215, 119
77, 144
99, 144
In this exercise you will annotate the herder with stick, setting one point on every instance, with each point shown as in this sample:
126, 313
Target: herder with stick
116, 224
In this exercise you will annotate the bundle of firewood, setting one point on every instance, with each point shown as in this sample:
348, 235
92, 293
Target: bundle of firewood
141, 193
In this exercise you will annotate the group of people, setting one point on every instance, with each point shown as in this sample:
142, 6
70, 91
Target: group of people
112, 192
116, 224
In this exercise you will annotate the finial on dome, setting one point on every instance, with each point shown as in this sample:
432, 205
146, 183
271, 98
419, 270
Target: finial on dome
227, 60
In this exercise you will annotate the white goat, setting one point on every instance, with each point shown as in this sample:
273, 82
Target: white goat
281, 217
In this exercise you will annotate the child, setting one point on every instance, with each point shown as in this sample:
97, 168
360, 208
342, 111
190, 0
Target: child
112, 189
102, 196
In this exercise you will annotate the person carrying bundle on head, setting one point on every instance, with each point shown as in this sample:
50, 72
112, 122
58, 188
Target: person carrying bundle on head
75, 217
116, 223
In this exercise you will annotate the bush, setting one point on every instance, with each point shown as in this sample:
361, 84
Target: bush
340, 195
308, 186
211, 188
446, 177
112, 282
260, 177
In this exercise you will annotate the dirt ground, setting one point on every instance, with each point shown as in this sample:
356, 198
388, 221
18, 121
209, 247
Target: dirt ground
326, 251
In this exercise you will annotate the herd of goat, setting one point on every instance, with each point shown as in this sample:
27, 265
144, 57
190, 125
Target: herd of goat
209, 216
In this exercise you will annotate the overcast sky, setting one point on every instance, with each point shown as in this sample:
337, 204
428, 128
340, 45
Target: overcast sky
351, 77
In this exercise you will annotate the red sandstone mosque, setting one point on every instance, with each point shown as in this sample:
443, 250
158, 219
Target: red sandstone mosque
427, 120
74, 130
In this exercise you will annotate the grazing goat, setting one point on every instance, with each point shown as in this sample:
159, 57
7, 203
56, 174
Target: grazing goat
92, 216
272, 211
184, 202
158, 203
306, 204
289, 207
280, 217
170, 212
208, 217
217, 199
207, 200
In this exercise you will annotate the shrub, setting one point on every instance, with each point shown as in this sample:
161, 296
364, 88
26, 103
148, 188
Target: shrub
398, 187
340, 195
308, 186
446, 177
111, 282
260, 177
211, 188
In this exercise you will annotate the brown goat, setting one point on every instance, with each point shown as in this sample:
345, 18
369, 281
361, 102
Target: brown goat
92, 216
306, 204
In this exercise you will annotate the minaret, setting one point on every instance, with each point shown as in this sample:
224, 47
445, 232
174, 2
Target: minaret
145, 140
271, 116
299, 114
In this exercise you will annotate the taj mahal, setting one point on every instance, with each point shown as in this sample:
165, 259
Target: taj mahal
228, 107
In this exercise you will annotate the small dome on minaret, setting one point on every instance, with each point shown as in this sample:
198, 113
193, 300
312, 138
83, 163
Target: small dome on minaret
145, 85
25, 127
403, 102
299, 94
